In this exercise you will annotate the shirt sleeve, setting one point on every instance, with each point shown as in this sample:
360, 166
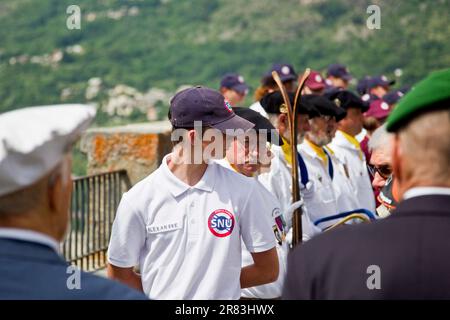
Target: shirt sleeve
127, 236
256, 221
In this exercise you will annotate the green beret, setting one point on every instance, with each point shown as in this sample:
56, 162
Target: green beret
429, 94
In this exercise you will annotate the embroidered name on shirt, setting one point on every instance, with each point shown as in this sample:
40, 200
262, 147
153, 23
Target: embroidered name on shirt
163, 228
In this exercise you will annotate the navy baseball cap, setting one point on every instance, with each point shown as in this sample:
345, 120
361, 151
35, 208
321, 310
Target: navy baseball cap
361, 87
206, 105
284, 70
392, 97
339, 71
234, 82
261, 123
379, 81
369, 98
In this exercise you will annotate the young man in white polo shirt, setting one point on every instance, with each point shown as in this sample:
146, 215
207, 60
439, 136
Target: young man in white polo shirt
183, 224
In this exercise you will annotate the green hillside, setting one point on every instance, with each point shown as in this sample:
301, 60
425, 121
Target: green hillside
167, 43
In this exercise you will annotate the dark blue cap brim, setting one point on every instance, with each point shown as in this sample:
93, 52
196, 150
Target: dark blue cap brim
347, 77
240, 88
287, 77
233, 123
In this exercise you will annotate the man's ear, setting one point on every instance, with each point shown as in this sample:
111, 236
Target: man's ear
232, 150
192, 135
396, 161
282, 119
53, 191
60, 185
59, 197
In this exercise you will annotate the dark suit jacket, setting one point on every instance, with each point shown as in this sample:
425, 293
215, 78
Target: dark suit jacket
33, 271
411, 249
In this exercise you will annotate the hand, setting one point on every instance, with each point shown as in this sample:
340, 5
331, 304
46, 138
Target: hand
290, 212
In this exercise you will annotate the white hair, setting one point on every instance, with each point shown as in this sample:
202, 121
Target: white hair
380, 139
273, 118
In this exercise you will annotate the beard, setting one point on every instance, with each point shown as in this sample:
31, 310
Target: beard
319, 140
301, 137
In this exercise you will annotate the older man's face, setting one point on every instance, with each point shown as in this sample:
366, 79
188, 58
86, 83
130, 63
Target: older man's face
322, 130
380, 161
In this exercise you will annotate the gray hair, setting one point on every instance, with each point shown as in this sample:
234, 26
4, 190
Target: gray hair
380, 139
273, 118
425, 145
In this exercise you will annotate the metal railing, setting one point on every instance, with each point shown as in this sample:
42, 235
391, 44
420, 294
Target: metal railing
95, 199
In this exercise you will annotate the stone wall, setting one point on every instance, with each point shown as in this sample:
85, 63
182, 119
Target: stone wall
137, 148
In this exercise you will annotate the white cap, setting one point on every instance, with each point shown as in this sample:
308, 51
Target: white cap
34, 140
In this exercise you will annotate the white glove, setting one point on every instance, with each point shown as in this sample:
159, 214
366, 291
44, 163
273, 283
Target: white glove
290, 212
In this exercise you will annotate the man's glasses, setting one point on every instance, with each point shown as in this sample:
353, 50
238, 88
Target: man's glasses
384, 170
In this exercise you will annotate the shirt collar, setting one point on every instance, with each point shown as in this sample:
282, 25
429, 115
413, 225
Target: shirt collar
30, 236
315, 151
178, 187
348, 141
351, 139
425, 191
287, 151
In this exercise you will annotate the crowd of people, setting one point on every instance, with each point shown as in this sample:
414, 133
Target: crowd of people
374, 180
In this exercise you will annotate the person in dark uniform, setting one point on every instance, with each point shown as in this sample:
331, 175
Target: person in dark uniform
404, 256
35, 193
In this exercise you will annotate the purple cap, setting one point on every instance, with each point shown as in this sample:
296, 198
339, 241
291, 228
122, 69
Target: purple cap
361, 87
234, 82
339, 71
378, 109
369, 98
206, 105
392, 97
379, 81
284, 70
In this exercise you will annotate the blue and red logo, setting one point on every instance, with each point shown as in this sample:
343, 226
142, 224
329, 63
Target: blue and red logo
221, 223
228, 105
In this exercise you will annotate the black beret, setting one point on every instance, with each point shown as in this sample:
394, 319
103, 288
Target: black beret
346, 99
260, 123
272, 102
324, 106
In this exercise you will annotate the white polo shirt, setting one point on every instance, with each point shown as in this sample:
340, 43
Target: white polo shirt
278, 226
187, 240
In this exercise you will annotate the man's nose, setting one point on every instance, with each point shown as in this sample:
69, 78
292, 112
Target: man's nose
378, 181
254, 154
